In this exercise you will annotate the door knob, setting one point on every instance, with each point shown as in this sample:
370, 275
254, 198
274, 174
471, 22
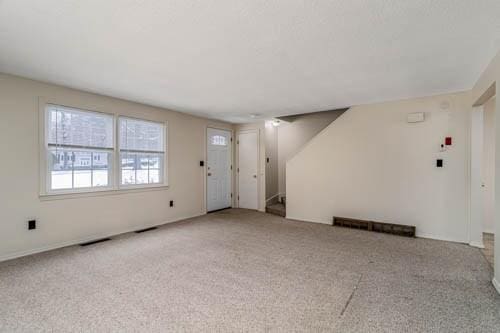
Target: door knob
209, 174
254, 176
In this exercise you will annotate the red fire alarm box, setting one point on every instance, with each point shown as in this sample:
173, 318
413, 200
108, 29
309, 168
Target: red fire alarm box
447, 141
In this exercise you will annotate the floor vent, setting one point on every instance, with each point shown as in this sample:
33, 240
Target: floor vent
387, 228
144, 230
95, 241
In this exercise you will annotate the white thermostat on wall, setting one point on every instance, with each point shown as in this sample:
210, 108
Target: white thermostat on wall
415, 117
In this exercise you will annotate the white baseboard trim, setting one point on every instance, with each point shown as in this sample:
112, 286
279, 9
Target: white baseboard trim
496, 284
440, 238
479, 245
20, 254
419, 235
307, 221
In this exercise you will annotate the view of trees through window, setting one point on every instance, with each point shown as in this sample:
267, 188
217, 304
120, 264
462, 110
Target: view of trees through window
141, 151
81, 150
80, 147
79, 169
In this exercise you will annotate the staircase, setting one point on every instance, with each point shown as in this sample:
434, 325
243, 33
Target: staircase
277, 209
287, 141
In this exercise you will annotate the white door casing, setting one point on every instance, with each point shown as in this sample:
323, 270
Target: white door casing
218, 169
248, 159
476, 191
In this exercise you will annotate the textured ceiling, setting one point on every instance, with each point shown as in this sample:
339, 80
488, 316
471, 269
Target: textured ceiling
228, 59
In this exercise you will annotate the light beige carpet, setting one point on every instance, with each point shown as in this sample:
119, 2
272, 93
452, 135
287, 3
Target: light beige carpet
239, 270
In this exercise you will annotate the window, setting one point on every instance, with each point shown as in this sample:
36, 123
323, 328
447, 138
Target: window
219, 140
80, 153
142, 152
80, 149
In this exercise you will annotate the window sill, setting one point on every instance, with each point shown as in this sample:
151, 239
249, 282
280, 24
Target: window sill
100, 193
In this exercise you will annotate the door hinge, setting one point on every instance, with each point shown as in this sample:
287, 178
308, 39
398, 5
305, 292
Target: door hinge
231, 195
238, 142
238, 197
231, 139
231, 167
238, 170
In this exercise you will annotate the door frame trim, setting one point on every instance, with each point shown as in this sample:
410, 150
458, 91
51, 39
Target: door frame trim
237, 162
231, 156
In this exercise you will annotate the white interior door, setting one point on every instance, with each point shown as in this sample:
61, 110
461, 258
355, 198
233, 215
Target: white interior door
218, 169
248, 151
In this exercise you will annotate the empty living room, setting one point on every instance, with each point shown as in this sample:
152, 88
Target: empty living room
249, 166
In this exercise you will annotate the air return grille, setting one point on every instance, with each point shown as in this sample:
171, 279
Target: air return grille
387, 228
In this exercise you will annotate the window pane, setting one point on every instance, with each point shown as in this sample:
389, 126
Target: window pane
219, 140
128, 161
128, 177
100, 178
155, 161
139, 169
156, 168
154, 176
82, 178
141, 135
79, 169
100, 165
142, 169
82, 169
128, 165
61, 170
69, 126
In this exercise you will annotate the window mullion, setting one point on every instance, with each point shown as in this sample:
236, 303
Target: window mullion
72, 170
135, 168
91, 169
149, 161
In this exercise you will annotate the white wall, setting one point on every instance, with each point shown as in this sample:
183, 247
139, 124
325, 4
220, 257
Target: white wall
476, 211
488, 166
64, 221
293, 135
490, 76
371, 164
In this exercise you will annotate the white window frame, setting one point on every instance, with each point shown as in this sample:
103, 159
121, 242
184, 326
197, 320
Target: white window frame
165, 153
46, 150
46, 193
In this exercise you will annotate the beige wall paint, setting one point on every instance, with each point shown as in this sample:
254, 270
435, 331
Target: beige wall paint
490, 76
259, 127
371, 164
488, 166
292, 136
83, 217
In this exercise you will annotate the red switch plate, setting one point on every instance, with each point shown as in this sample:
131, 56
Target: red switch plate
447, 141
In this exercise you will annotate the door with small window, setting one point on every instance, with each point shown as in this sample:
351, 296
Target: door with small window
218, 169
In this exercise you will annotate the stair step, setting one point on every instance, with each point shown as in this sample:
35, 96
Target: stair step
277, 209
